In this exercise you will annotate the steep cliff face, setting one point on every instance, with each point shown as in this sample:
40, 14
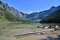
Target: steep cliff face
11, 13
15, 12
6, 16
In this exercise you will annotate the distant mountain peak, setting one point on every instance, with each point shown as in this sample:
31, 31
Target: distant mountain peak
53, 7
36, 16
43, 14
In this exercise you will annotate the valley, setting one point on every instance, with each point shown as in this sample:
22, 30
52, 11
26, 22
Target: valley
17, 25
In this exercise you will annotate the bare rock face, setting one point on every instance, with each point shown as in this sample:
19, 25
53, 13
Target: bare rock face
53, 12
14, 11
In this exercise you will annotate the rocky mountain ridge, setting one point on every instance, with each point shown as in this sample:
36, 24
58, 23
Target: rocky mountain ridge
34, 16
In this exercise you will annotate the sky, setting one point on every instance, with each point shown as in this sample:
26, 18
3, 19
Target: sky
28, 6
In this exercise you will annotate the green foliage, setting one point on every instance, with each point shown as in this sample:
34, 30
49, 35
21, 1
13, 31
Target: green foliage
10, 17
53, 18
7, 15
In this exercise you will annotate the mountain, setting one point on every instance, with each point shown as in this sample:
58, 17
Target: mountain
40, 16
37, 16
8, 13
12, 10
53, 18
6, 16
11, 14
